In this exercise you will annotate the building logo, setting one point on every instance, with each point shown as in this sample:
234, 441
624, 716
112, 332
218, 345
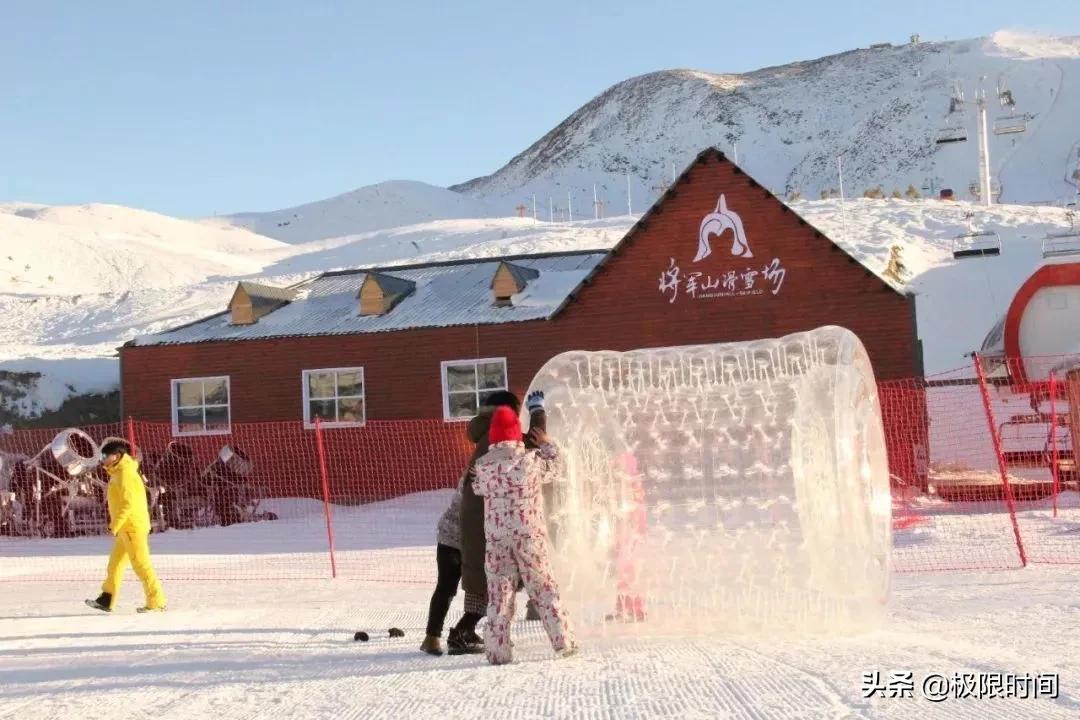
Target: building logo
731, 281
717, 223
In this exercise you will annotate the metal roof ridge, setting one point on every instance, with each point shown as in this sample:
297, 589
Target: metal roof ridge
336, 333
385, 269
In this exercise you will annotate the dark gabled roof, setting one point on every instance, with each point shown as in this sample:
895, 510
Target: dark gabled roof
392, 286
363, 270
267, 293
265, 299
522, 275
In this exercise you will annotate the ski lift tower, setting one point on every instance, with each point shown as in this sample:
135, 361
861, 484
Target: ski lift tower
985, 194
956, 134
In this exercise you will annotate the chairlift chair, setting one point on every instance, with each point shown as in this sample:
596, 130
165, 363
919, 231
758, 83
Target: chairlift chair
1028, 439
976, 244
1010, 124
949, 134
1060, 244
956, 101
1005, 96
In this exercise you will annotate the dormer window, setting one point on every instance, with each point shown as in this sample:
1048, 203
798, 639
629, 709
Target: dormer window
509, 280
379, 293
251, 301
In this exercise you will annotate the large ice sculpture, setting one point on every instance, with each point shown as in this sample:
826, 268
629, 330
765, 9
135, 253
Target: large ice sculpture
738, 485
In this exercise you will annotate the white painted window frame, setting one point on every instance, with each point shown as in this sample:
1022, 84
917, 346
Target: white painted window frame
306, 391
446, 388
173, 383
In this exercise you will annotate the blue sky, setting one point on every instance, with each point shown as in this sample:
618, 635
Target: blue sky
199, 107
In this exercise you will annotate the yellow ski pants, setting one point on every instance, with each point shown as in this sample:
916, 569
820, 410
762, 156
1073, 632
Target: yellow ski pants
134, 547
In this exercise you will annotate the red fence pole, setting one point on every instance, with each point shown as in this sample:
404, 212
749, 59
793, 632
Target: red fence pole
1053, 439
131, 437
996, 437
326, 496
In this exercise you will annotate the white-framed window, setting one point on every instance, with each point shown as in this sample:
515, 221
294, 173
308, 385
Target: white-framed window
467, 383
200, 406
335, 396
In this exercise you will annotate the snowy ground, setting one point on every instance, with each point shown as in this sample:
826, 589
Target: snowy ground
391, 541
271, 649
247, 646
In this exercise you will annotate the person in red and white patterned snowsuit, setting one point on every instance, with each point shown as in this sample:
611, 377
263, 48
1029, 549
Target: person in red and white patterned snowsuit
630, 531
509, 477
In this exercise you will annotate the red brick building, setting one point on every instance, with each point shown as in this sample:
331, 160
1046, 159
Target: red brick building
717, 258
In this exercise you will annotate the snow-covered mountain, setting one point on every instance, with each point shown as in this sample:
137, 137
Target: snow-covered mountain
882, 109
385, 205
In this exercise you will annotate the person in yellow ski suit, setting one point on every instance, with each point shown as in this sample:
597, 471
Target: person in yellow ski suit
129, 522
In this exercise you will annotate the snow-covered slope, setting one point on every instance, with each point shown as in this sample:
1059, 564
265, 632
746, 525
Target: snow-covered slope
388, 204
957, 301
881, 109
64, 251
450, 240
75, 281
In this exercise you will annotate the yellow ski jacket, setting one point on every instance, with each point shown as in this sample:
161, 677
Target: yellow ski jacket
127, 498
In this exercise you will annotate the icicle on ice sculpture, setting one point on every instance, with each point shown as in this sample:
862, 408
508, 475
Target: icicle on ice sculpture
739, 486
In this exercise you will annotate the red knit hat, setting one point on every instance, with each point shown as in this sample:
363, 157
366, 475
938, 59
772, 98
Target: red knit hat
504, 426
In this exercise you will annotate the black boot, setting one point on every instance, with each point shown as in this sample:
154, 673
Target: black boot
463, 642
471, 638
103, 602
